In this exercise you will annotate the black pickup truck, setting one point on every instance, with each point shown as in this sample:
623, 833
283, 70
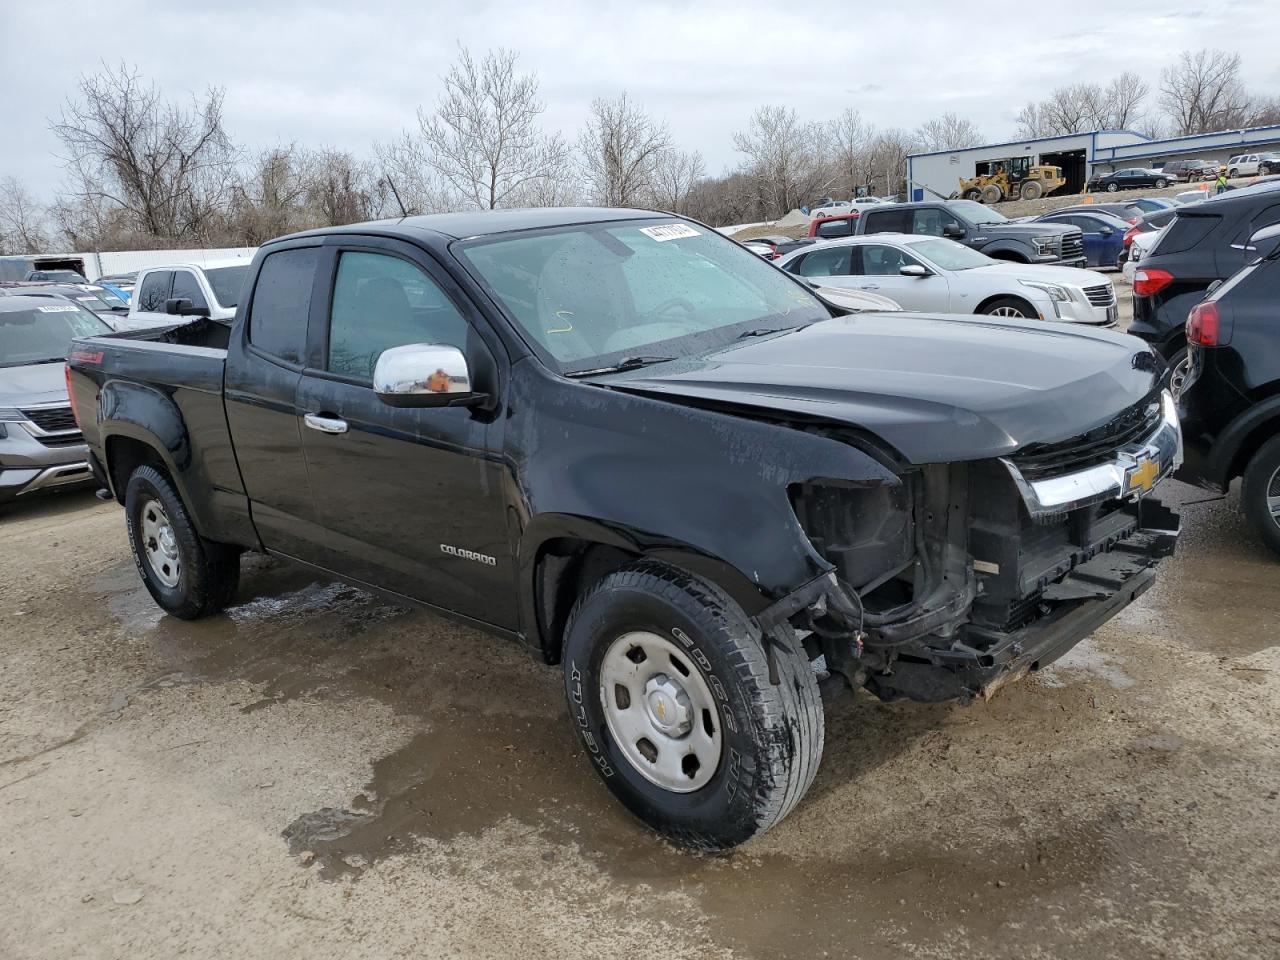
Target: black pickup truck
629, 443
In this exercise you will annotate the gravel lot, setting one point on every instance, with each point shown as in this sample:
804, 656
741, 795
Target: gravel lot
318, 774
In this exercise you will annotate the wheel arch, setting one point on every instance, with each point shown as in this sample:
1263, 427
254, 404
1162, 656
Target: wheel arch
1007, 251
561, 557
981, 307
1241, 438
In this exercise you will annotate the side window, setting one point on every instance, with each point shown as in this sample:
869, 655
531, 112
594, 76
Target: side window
836, 228
882, 261
186, 285
381, 301
831, 262
281, 302
930, 221
154, 292
887, 221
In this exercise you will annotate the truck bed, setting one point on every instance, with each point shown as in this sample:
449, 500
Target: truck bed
161, 388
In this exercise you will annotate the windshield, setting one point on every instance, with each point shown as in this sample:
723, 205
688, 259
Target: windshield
950, 255
975, 212
596, 294
43, 334
100, 299
226, 283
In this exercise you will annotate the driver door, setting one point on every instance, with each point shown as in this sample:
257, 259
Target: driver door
877, 268
409, 499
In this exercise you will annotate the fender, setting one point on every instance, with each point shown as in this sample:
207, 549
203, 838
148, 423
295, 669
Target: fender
997, 247
548, 527
1230, 443
150, 416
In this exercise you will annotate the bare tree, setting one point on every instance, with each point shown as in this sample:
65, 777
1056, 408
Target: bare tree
675, 174
341, 189
1030, 123
948, 132
620, 147
1202, 91
1123, 102
23, 222
483, 137
889, 152
403, 163
789, 160
166, 167
269, 198
850, 142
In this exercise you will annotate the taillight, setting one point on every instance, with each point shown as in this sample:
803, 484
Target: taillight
1151, 281
1128, 237
71, 396
1203, 324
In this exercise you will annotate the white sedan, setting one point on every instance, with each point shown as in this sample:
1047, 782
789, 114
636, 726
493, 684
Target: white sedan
934, 275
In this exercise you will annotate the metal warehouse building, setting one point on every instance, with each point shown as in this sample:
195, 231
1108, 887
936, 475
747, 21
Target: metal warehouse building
1080, 155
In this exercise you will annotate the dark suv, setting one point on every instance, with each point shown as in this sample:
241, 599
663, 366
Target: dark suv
980, 228
1206, 242
1231, 395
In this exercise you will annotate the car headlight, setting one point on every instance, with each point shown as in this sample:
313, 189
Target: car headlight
1045, 244
1054, 291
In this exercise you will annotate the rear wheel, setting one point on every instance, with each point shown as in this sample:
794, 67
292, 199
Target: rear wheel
1031, 190
1009, 307
668, 687
1161, 184
187, 575
1261, 492
1112, 187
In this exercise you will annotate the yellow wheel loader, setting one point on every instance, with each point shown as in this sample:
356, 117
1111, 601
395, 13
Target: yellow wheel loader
1026, 183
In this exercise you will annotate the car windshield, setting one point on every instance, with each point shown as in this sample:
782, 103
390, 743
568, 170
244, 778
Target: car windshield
950, 255
100, 298
43, 334
598, 295
976, 213
226, 283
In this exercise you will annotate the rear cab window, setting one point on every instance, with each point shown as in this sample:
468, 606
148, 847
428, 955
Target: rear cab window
887, 221
282, 302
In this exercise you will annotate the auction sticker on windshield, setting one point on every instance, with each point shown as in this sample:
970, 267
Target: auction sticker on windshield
669, 231
60, 308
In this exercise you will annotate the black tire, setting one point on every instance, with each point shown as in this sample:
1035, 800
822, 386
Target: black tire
992, 194
1031, 190
1265, 170
1261, 481
1002, 306
208, 572
1161, 184
771, 735
975, 195
1232, 173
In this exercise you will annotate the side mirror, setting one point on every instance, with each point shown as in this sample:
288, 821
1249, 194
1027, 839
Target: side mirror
953, 230
913, 270
1264, 234
182, 307
1107, 232
424, 375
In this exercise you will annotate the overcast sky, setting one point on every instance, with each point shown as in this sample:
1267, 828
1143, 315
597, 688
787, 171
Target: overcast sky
347, 74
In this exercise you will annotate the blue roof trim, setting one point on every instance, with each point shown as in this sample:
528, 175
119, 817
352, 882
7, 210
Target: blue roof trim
1120, 161
1212, 133
1010, 143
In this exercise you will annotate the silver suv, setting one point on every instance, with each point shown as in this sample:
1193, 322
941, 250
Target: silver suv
40, 442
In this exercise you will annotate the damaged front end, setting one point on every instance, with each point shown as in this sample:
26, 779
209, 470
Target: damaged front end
969, 575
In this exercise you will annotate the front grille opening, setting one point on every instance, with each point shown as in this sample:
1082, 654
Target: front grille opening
52, 419
1099, 445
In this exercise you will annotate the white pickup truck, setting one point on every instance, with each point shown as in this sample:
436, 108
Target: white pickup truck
185, 290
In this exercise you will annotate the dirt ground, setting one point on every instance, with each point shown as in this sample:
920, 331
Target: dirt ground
319, 774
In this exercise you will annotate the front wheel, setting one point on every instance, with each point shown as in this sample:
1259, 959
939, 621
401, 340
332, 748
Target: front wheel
668, 687
187, 575
1009, 307
1261, 492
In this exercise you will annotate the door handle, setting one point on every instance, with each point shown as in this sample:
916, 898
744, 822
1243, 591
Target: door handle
870, 286
317, 421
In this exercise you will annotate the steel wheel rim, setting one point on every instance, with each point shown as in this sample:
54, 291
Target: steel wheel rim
1007, 312
160, 544
660, 711
1273, 497
1178, 379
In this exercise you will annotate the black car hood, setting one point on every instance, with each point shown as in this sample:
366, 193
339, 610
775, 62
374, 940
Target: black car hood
937, 390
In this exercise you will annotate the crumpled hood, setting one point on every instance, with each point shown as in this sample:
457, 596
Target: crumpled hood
32, 384
936, 389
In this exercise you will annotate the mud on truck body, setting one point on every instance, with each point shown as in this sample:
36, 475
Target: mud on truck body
656, 460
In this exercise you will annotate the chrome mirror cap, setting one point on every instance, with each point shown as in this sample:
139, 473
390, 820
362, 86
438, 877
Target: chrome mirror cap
422, 375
